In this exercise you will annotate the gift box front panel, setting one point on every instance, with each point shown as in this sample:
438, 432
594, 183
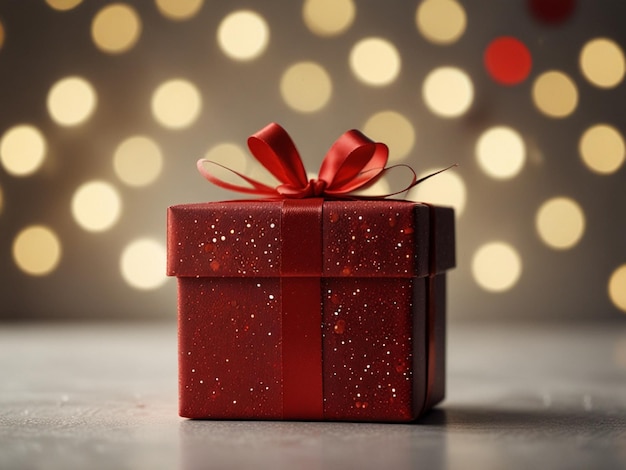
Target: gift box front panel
231, 348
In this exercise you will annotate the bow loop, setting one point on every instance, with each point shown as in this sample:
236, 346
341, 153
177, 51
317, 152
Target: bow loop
352, 162
275, 150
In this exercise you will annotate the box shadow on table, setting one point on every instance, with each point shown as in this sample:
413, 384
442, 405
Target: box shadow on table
536, 422
309, 445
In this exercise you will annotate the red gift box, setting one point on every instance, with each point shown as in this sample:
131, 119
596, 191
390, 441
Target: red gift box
264, 335
310, 308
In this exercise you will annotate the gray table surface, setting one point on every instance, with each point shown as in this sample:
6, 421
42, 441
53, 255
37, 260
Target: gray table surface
519, 396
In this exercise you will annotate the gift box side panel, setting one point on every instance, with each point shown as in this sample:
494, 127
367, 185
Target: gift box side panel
419, 364
436, 287
442, 258
229, 348
443, 239
368, 353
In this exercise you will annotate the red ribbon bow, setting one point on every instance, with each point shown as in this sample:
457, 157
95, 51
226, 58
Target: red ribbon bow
353, 162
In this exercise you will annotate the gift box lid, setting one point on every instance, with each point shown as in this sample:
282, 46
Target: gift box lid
359, 238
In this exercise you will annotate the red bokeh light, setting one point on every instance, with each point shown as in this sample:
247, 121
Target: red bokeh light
508, 60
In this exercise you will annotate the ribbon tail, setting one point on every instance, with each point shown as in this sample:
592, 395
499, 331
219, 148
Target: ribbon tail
421, 180
414, 180
254, 186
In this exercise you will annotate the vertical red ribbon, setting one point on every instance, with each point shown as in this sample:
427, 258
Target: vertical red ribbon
301, 270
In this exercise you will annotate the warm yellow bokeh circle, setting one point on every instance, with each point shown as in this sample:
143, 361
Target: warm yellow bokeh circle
602, 63
63, 5
560, 222
328, 17
602, 148
555, 94
306, 87
501, 152
448, 92
138, 161
375, 61
142, 264
617, 287
22, 150
176, 103
243, 35
394, 129
496, 266
37, 250
96, 206
441, 21
179, 10
71, 101
116, 28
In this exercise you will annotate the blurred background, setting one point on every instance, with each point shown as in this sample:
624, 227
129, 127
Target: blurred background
106, 106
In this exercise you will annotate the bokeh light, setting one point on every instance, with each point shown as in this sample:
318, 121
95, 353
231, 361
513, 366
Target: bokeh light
508, 60
441, 21
496, 266
1, 200
96, 206
243, 35
617, 287
22, 150
229, 155
501, 152
555, 94
560, 222
328, 17
36, 250
142, 264
551, 12
444, 189
306, 87
179, 10
63, 5
176, 103
138, 161
602, 63
448, 92
602, 148
71, 101
116, 28
375, 61
394, 129
1, 35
